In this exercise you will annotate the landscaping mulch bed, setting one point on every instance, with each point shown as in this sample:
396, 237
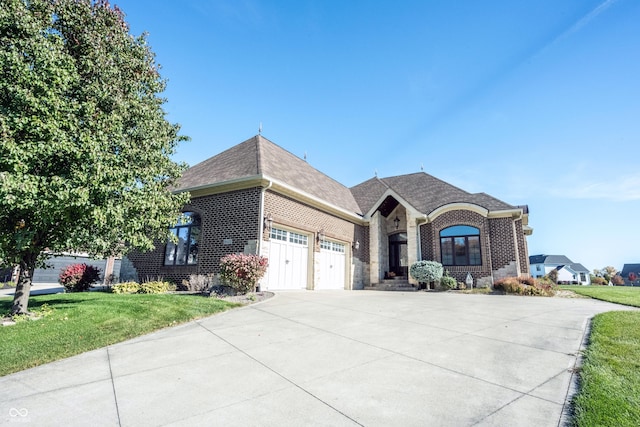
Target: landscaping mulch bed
250, 298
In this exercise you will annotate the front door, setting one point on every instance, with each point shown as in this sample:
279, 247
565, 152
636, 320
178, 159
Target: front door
398, 259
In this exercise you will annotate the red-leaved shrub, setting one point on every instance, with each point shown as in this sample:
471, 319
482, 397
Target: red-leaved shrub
242, 272
79, 277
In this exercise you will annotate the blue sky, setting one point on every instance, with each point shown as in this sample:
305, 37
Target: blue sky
534, 103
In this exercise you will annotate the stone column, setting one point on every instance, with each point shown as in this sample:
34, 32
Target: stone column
374, 249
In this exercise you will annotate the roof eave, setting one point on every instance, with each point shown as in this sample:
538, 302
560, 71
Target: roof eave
264, 181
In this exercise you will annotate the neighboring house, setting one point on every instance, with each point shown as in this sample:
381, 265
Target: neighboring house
631, 268
568, 271
257, 197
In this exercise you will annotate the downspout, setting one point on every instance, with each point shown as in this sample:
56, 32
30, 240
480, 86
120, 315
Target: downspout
261, 219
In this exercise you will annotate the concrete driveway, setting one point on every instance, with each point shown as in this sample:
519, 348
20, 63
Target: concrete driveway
325, 358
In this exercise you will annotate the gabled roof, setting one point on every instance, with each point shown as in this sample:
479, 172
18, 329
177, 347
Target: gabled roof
423, 191
549, 259
579, 268
629, 268
258, 157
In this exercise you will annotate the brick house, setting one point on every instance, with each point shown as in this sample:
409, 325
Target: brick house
257, 197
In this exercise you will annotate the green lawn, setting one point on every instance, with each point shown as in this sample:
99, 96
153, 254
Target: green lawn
626, 295
610, 377
78, 322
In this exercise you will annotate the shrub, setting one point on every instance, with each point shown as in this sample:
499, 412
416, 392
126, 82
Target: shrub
448, 282
617, 280
79, 277
199, 282
598, 281
525, 286
126, 288
155, 287
553, 276
426, 271
242, 272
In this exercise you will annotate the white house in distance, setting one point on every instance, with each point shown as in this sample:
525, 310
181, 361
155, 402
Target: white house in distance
568, 271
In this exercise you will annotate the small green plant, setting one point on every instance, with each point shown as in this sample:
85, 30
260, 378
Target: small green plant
126, 288
155, 287
447, 282
79, 277
242, 272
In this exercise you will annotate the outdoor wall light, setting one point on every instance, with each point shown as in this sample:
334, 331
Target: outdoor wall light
320, 234
268, 222
356, 245
397, 222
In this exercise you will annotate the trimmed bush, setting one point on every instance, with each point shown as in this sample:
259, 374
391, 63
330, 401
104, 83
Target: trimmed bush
79, 277
242, 272
426, 271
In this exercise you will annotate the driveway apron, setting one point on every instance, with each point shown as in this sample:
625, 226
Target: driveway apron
334, 358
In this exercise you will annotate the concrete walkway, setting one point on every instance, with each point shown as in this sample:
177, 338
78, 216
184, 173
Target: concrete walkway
325, 358
36, 289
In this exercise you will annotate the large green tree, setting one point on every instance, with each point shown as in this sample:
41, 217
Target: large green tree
85, 145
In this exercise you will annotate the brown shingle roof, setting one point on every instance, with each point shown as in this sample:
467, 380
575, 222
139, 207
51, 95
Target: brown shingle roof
423, 191
258, 156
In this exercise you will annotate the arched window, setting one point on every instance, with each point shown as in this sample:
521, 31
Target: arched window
187, 234
460, 245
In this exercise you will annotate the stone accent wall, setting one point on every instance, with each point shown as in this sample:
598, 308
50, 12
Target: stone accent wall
230, 223
523, 251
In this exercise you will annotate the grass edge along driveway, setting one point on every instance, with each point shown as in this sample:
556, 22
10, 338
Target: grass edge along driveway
74, 323
609, 393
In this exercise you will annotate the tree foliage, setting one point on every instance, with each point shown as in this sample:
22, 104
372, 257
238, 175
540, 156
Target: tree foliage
84, 142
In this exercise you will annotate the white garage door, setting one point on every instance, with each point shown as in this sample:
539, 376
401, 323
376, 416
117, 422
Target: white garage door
288, 260
331, 265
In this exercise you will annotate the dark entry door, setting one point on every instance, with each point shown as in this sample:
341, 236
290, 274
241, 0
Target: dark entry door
398, 261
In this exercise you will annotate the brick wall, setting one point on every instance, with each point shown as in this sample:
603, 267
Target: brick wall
289, 212
430, 241
503, 248
234, 216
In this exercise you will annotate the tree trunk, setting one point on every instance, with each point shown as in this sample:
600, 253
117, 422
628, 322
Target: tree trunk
23, 287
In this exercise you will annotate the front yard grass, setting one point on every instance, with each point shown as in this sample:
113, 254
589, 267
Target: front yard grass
77, 322
627, 295
610, 376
